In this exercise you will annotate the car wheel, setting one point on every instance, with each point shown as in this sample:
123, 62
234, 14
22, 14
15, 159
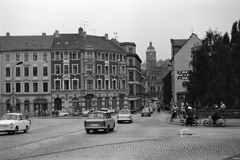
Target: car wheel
26, 129
15, 130
107, 130
194, 123
149, 115
182, 123
88, 130
142, 115
221, 124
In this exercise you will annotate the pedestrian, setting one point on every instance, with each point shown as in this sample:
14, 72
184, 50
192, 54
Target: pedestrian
189, 116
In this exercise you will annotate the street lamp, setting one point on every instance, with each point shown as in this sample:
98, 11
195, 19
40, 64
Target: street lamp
13, 93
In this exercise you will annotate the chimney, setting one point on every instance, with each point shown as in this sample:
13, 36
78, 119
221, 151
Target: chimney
44, 34
80, 31
106, 36
56, 33
8, 34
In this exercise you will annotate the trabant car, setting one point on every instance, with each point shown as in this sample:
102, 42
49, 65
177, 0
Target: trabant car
14, 122
124, 115
146, 112
99, 120
63, 113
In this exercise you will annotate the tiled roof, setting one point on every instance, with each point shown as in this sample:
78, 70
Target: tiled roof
76, 41
177, 44
26, 42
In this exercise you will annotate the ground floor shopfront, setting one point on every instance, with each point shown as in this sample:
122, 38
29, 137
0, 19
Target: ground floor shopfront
33, 104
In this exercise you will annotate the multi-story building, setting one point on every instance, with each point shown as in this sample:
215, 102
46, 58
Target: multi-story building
25, 77
181, 57
134, 76
151, 58
88, 71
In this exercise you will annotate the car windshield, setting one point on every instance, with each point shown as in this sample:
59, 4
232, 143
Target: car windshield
9, 117
96, 116
124, 112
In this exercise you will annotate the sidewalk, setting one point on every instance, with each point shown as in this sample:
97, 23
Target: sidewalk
176, 121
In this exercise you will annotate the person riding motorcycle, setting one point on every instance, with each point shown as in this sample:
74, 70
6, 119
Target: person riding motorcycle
189, 116
216, 115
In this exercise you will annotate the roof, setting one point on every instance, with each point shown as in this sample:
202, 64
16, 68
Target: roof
26, 42
177, 44
76, 41
134, 55
128, 44
150, 47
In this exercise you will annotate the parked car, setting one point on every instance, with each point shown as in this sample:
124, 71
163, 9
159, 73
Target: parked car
85, 113
124, 115
63, 113
99, 120
76, 113
14, 122
146, 112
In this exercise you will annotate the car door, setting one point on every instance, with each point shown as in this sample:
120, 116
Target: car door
20, 122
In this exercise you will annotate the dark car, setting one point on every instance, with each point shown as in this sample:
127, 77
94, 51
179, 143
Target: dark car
76, 113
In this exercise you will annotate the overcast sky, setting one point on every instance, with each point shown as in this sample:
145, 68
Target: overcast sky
138, 21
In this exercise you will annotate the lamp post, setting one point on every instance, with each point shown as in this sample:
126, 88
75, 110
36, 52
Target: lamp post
13, 93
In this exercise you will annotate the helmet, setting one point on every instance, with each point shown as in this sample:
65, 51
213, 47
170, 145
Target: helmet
189, 107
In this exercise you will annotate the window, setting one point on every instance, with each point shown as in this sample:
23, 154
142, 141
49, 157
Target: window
18, 87
35, 73
57, 85
99, 70
26, 57
74, 70
89, 55
66, 69
18, 57
7, 71
107, 84
106, 56
57, 69
106, 69
123, 69
35, 87
99, 56
123, 84
130, 62
74, 55
75, 84
114, 70
66, 55
57, 55
26, 87
114, 84
18, 73
131, 90
89, 84
103, 56
8, 57
8, 87
34, 56
45, 87
99, 84
130, 50
66, 84
114, 58
131, 76
89, 68
45, 71
44, 56
79, 55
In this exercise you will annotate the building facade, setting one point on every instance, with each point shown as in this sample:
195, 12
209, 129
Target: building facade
134, 76
181, 57
25, 66
88, 71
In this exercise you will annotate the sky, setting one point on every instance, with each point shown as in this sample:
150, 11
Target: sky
138, 21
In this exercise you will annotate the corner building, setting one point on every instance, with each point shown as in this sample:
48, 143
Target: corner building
87, 71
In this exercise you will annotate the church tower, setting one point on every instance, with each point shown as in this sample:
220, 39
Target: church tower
151, 60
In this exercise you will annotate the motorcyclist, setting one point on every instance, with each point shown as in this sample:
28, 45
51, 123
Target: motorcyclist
216, 115
189, 116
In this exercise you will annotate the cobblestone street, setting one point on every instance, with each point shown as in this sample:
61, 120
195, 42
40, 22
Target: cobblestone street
146, 138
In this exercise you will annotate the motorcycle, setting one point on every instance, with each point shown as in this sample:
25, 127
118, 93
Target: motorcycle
194, 121
219, 122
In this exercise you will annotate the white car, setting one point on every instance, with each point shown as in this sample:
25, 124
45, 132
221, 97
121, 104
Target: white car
124, 115
63, 114
14, 122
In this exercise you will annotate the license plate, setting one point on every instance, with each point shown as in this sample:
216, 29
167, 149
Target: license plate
94, 125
